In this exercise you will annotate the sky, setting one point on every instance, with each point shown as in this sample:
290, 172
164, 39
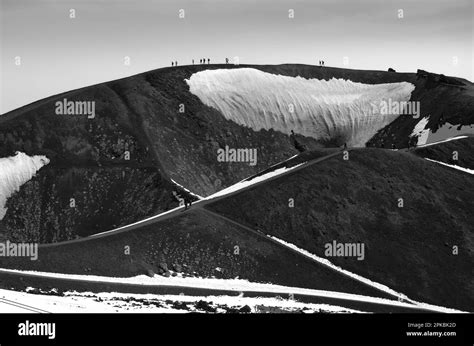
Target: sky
59, 53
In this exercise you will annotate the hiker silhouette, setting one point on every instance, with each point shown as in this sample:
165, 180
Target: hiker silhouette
187, 202
298, 146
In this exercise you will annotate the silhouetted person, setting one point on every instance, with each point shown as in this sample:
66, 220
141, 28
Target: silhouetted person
208, 61
298, 146
226, 60
345, 146
187, 202
193, 61
175, 63
172, 63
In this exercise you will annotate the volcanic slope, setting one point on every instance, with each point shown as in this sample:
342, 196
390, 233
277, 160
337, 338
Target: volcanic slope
446, 106
116, 168
195, 243
457, 152
413, 216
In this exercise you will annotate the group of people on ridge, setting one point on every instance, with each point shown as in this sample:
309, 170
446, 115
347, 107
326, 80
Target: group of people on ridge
201, 61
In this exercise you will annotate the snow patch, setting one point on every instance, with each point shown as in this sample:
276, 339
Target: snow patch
336, 109
251, 181
110, 302
459, 168
445, 133
450, 130
14, 172
420, 131
443, 141
185, 189
234, 285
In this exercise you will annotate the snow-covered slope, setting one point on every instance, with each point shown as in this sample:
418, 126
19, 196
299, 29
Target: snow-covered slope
110, 302
248, 182
426, 136
235, 285
420, 132
14, 172
459, 168
337, 109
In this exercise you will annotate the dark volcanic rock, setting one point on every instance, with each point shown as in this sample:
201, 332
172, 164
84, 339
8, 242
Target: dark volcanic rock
205, 306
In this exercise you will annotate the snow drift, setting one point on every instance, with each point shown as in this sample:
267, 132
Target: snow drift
14, 172
334, 110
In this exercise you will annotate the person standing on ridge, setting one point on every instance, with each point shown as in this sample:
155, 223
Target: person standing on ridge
187, 202
208, 61
193, 61
298, 146
175, 63
226, 61
172, 63
185, 199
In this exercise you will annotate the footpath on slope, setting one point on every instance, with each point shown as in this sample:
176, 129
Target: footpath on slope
201, 205
198, 204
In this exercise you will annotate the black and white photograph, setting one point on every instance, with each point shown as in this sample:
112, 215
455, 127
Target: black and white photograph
194, 170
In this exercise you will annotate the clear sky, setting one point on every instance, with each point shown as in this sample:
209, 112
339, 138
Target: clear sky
59, 53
